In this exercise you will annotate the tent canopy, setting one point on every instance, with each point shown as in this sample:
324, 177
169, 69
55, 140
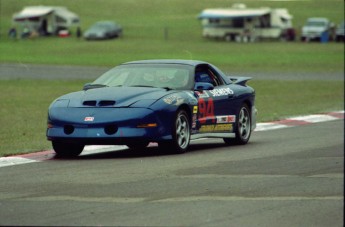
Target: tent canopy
33, 11
41, 11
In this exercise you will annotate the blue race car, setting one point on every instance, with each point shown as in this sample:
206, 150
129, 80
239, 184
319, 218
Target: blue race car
165, 101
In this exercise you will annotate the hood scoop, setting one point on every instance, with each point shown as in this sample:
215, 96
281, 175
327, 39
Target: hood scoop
100, 103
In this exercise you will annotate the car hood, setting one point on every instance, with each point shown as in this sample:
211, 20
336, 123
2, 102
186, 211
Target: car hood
116, 97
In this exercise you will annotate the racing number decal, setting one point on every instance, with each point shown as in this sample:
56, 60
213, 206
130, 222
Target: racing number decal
206, 110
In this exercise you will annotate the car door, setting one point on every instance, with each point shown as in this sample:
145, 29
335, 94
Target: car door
213, 105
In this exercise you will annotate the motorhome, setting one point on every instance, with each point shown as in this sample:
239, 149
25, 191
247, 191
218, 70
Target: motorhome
240, 23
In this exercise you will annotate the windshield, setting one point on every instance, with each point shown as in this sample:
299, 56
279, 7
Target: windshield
101, 26
316, 23
171, 76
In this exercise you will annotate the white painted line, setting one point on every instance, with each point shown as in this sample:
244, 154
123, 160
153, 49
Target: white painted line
314, 118
11, 161
239, 198
93, 149
269, 126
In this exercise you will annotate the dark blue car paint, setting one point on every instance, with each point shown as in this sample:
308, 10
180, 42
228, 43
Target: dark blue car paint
113, 115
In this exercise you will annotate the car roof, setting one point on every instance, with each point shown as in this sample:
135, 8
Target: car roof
318, 19
105, 22
112, 23
167, 61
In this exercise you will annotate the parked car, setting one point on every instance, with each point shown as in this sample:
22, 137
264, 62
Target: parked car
317, 28
339, 33
103, 30
168, 102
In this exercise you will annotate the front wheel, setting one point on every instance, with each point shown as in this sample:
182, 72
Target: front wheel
180, 133
67, 150
243, 127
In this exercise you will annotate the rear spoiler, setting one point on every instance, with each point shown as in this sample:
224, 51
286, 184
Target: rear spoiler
240, 80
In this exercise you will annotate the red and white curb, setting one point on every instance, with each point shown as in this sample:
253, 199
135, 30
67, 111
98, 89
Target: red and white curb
300, 120
286, 123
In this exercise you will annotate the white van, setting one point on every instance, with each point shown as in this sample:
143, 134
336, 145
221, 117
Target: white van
317, 28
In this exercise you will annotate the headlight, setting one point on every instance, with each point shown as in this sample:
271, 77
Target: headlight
144, 103
61, 103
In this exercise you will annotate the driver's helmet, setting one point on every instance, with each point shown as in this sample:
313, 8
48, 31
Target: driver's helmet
180, 78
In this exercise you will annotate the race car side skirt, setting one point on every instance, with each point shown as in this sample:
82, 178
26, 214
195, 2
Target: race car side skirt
213, 135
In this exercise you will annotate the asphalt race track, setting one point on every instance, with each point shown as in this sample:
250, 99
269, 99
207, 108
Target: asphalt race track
290, 176
284, 177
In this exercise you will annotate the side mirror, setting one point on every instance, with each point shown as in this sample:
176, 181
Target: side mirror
200, 86
91, 86
87, 86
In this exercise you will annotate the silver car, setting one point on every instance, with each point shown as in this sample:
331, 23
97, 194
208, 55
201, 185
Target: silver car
103, 30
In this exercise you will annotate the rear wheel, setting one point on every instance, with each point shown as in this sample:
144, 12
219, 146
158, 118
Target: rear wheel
180, 133
243, 127
67, 150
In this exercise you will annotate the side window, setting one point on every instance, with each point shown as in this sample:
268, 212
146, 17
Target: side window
218, 81
207, 75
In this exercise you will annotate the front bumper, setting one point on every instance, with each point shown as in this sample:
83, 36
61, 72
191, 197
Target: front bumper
106, 125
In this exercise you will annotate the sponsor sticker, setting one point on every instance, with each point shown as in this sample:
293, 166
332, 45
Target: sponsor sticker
89, 118
195, 109
202, 94
194, 121
221, 92
216, 128
173, 100
226, 119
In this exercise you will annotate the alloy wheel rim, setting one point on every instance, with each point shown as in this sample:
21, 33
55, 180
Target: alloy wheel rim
182, 131
244, 123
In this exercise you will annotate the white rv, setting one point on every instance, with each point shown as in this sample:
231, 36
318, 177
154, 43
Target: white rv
243, 24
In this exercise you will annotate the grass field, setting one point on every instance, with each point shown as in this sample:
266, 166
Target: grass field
24, 103
144, 23
262, 57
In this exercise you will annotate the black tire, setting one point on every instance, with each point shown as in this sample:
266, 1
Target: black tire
137, 145
180, 133
67, 150
243, 127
